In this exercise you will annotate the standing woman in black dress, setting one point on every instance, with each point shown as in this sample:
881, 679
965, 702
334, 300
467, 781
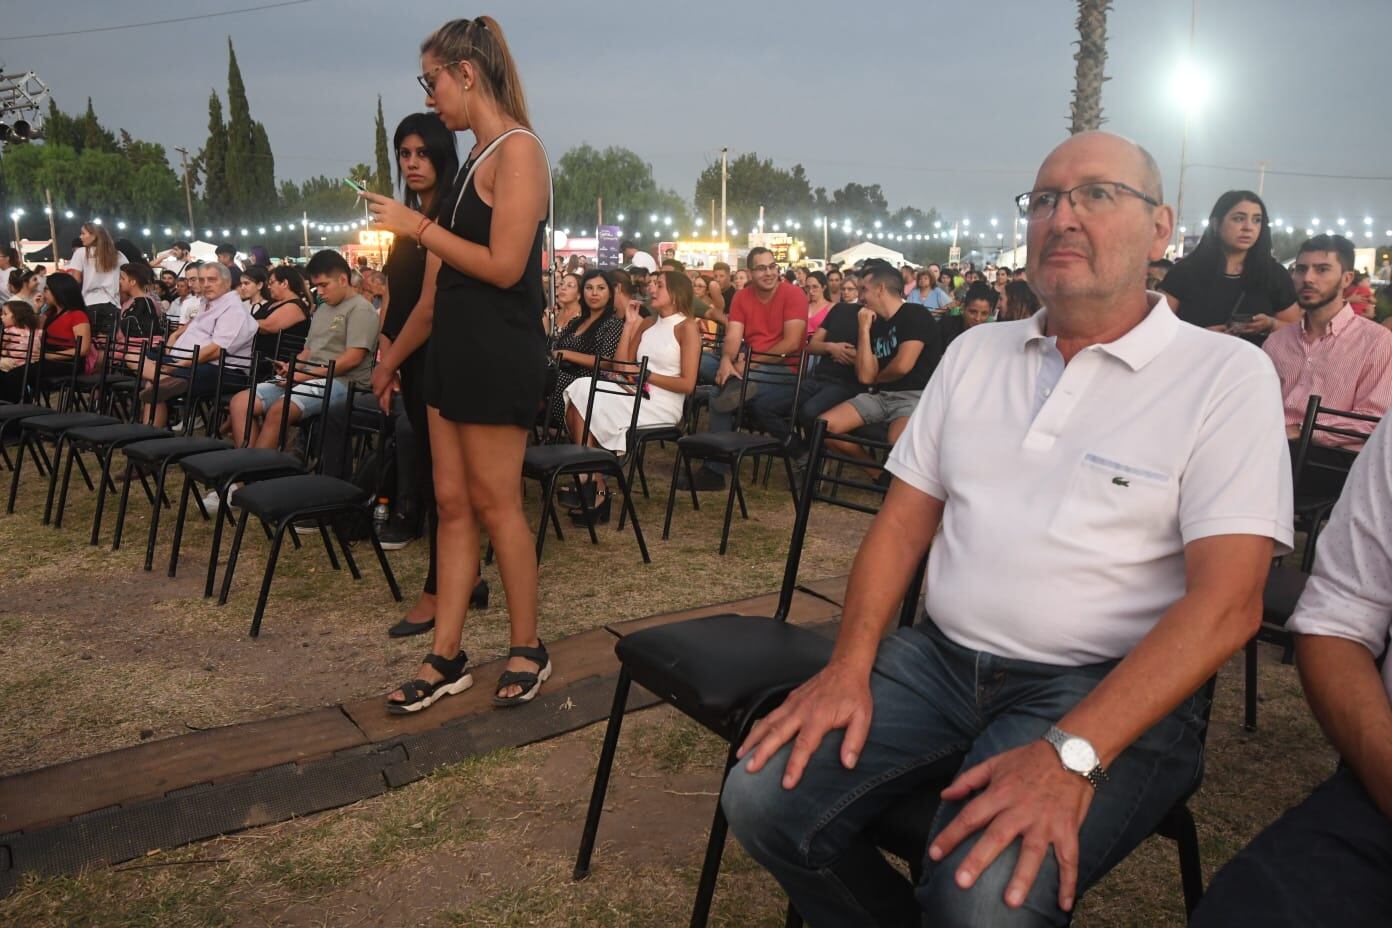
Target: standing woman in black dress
485, 375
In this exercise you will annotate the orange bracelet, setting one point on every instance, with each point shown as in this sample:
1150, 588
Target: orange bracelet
425, 223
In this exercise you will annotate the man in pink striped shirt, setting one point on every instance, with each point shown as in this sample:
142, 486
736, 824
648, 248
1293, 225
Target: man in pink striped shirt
1334, 353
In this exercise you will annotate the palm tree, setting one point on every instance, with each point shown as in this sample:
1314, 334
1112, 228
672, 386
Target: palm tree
1092, 61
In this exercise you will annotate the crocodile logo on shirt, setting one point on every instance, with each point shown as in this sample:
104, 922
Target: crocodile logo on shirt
1121, 481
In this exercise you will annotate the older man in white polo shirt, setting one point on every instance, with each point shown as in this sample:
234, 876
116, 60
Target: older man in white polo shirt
1104, 488
1328, 861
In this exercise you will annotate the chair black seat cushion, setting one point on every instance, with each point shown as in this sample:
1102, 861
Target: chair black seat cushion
52, 425
275, 500
1282, 591
159, 449
716, 444
11, 411
120, 433
542, 459
717, 667
217, 466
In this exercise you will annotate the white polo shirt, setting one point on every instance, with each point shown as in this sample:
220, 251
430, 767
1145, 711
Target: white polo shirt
1071, 491
1349, 593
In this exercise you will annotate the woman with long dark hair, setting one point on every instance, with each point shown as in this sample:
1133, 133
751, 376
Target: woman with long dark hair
595, 331
66, 325
1020, 302
426, 162
1231, 281
485, 370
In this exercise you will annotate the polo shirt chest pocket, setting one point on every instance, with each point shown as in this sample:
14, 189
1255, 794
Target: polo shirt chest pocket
1125, 509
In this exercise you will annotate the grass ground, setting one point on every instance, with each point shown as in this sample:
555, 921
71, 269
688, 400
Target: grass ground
119, 655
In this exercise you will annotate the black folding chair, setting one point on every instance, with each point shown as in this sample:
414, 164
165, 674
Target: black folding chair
21, 354
1318, 472
734, 447
220, 470
549, 464
37, 432
727, 671
104, 440
155, 456
281, 502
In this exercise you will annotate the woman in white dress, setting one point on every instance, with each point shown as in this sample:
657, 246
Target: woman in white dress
97, 266
671, 342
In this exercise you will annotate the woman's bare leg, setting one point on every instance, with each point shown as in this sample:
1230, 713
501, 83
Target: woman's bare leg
492, 460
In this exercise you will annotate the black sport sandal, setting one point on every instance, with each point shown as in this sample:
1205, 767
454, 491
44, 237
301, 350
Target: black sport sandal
421, 694
529, 681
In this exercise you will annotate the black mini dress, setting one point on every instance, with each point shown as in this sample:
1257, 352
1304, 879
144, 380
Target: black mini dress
486, 360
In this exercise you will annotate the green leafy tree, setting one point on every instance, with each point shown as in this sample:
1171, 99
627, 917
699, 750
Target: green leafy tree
212, 163
623, 180
250, 167
381, 178
328, 198
62, 129
859, 203
754, 182
94, 135
263, 172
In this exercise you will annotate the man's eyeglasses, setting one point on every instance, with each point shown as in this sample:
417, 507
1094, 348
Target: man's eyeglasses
1090, 199
764, 267
427, 80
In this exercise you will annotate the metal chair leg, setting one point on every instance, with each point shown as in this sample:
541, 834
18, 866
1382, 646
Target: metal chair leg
179, 525
384, 563
81, 467
52, 495
792, 478
347, 553
121, 505
601, 780
1249, 720
218, 521
715, 849
672, 495
548, 491
106, 459
1190, 864
232, 557
730, 506
627, 489
63, 493
267, 577
18, 466
155, 509
328, 543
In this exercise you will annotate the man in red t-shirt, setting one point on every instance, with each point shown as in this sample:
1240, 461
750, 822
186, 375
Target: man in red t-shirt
771, 315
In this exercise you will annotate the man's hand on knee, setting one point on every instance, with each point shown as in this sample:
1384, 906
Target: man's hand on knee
838, 697
1023, 793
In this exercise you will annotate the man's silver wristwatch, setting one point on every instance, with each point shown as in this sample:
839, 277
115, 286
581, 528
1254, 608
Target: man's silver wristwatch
1077, 755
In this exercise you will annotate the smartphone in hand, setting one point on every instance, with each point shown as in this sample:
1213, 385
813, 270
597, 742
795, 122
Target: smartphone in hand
357, 187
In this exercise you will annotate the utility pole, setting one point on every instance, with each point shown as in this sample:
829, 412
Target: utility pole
599, 213
724, 177
1261, 176
826, 241
1184, 143
52, 227
188, 189
304, 224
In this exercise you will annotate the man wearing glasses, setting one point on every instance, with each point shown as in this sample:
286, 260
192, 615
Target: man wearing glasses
1133, 472
771, 316
221, 324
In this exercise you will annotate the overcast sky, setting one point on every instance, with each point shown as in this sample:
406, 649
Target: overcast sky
945, 105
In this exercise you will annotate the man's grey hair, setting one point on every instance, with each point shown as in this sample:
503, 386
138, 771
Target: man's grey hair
1153, 183
222, 270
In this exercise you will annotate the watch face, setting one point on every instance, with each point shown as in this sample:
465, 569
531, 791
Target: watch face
1077, 755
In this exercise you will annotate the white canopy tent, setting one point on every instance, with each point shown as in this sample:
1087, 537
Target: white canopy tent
864, 251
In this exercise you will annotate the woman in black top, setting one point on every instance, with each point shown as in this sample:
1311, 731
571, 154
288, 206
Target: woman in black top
596, 331
426, 161
282, 322
1231, 281
485, 376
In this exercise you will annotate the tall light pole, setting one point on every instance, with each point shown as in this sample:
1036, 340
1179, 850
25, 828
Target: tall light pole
724, 177
1191, 88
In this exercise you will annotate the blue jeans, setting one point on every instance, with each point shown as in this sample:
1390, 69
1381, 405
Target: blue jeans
1324, 864
772, 391
308, 396
932, 699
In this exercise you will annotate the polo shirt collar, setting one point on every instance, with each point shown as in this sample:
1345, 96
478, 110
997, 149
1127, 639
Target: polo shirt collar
1136, 348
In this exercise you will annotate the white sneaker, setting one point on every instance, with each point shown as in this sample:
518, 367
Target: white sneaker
210, 499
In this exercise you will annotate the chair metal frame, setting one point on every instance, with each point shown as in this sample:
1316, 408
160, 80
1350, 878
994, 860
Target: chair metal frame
747, 445
549, 464
736, 725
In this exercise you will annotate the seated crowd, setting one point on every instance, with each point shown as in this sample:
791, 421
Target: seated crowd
1128, 390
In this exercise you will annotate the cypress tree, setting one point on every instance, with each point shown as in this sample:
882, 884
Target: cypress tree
213, 160
381, 181
241, 167
265, 199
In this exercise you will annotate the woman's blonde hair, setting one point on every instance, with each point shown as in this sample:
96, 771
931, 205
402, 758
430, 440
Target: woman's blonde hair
480, 42
103, 249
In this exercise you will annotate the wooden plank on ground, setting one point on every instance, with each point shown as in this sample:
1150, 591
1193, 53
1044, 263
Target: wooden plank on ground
145, 771
575, 658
